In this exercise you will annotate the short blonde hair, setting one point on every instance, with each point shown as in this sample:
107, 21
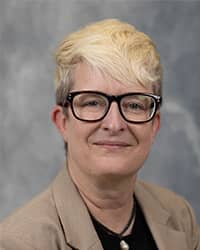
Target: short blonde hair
114, 47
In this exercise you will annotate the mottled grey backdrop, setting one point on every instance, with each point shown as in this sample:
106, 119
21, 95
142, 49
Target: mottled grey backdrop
31, 151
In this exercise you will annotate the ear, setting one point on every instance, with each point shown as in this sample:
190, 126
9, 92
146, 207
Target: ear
60, 120
156, 125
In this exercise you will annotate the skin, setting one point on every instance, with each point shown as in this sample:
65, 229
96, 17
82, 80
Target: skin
104, 157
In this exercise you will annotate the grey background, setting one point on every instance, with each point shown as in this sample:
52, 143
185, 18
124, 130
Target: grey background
31, 151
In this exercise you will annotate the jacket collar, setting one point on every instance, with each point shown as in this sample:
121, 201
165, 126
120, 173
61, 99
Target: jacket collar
79, 230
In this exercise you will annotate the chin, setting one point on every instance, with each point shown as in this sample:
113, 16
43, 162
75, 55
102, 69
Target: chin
110, 168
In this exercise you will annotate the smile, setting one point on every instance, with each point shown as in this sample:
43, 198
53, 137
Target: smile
112, 144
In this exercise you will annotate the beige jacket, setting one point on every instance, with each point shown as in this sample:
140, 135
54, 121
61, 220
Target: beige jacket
58, 219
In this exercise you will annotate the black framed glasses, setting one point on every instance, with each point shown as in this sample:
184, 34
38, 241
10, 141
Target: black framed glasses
93, 106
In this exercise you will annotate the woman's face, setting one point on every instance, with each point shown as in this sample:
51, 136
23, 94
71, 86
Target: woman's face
112, 146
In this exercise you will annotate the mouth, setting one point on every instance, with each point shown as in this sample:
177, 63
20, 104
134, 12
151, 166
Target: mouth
112, 144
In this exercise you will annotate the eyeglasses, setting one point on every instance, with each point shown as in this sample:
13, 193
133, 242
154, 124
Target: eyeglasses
93, 106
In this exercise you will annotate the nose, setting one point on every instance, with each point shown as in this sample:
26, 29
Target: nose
113, 121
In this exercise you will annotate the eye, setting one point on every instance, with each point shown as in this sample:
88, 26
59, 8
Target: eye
135, 106
90, 103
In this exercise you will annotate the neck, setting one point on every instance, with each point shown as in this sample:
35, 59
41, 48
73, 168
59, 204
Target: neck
109, 199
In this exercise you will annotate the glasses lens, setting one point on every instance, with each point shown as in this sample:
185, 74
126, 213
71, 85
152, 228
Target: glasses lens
90, 106
138, 108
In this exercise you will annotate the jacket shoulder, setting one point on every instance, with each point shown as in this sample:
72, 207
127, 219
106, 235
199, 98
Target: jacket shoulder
35, 223
169, 200
181, 214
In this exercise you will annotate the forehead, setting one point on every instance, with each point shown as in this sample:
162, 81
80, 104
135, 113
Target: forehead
87, 77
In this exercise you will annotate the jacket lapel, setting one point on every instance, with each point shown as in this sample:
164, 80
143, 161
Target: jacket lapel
74, 217
159, 220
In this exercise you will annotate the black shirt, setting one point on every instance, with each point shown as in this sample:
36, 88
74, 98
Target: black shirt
139, 239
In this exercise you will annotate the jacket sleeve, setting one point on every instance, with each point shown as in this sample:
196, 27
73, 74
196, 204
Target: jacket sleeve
18, 239
12, 242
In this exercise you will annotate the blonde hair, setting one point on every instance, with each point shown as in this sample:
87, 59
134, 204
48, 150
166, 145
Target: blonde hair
114, 47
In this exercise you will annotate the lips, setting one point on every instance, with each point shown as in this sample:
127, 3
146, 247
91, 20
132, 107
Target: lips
107, 143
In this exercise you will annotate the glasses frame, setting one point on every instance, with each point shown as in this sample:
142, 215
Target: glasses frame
111, 98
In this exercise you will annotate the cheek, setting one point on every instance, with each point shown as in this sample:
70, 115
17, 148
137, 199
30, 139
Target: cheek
144, 138
79, 132
144, 135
